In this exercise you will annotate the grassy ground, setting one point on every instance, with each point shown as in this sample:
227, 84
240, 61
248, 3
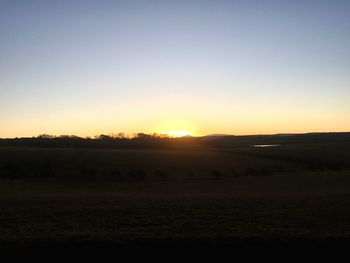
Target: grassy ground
293, 203
69, 163
314, 206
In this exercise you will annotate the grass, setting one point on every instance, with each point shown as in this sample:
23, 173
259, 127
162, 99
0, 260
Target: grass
281, 200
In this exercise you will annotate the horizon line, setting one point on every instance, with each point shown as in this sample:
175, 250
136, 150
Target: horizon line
160, 135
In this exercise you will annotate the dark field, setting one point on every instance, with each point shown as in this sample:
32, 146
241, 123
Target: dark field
233, 199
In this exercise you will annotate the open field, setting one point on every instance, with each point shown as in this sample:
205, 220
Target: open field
177, 164
263, 195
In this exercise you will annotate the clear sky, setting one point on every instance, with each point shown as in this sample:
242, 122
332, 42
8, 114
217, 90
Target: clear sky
239, 67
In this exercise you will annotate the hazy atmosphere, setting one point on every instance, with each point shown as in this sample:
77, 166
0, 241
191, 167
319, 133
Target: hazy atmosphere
174, 67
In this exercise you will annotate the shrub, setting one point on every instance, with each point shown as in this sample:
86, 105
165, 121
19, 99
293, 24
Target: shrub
250, 171
279, 169
334, 167
190, 175
265, 170
314, 167
88, 172
137, 175
234, 172
161, 175
117, 175
10, 170
215, 174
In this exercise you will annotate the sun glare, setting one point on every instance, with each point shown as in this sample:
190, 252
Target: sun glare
177, 133
176, 128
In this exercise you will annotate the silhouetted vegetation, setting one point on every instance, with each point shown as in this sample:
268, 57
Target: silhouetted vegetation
234, 173
10, 170
215, 174
279, 169
161, 175
250, 171
153, 141
137, 175
116, 174
88, 172
191, 175
139, 141
269, 170
334, 167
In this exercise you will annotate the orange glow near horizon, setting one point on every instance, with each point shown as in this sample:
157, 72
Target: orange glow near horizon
233, 67
178, 133
176, 128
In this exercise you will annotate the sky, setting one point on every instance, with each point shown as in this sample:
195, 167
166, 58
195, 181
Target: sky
206, 67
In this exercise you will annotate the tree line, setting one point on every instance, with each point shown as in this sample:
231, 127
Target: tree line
120, 141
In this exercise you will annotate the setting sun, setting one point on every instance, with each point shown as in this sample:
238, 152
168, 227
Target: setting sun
178, 133
176, 128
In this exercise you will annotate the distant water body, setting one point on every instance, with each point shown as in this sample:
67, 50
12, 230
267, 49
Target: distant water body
264, 145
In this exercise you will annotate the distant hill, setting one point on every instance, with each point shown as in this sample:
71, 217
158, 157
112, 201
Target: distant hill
216, 136
245, 140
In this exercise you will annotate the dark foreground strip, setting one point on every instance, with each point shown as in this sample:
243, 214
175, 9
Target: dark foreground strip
229, 250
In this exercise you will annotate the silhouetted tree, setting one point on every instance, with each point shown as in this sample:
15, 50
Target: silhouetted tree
45, 136
334, 167
137, 175
104, 137
121, 135
250, 171
279, 169
264, 170
234, 172
116, 174
10, 170
161, 175
312, 167
215, 174
190, 175
88, 172
143, 136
